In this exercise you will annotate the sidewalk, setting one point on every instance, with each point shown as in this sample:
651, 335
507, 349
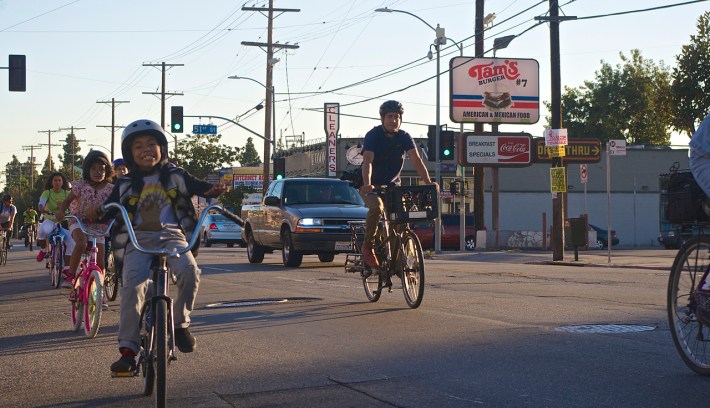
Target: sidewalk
651, 258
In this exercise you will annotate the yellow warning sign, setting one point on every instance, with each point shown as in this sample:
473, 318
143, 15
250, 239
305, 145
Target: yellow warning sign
555, 151
558, 183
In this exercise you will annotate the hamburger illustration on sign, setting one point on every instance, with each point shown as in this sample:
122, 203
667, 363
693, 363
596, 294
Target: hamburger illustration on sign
494, 90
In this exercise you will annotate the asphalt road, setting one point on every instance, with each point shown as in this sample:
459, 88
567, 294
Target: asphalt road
503, 329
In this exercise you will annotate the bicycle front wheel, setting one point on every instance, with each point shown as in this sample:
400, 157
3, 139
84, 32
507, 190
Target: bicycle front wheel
77, 314
161, 352
92, 308
690, 335
55, 268
147, 360
411, 263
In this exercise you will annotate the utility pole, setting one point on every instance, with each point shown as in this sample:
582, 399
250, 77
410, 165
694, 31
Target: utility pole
164, 67
49, 146
270, 62
32, 163
478, 170
73, 146
558, 214
113, 103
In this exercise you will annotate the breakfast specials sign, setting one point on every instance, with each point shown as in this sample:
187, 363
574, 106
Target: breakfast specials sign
494, 90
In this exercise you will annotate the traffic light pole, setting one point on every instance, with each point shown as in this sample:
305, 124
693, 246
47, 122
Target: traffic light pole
230, 121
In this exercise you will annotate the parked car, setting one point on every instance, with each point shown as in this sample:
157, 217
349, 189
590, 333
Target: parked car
674, 237
602, 238
450, 237
218, 229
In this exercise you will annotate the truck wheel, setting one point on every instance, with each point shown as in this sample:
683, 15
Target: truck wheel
255, 253
291, 257
326, 257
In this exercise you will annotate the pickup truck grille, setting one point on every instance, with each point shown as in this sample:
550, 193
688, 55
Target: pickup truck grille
336, 222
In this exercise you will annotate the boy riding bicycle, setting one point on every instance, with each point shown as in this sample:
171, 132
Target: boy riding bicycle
158, 198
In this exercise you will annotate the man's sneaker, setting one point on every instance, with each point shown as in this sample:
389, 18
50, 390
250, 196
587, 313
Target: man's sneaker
40, 256
368, 255
124, 366
68, 279
184, 341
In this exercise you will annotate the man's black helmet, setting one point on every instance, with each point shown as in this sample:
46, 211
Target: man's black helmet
391, 106
91, 157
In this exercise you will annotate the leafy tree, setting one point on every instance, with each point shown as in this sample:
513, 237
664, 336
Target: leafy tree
71, 159
691, 80
249, 156
202, 155
629, 101
233, 198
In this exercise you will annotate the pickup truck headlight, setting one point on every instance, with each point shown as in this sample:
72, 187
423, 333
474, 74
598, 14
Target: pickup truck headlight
309, 225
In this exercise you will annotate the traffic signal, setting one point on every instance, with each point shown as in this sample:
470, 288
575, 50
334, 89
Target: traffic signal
446, 145
454, 187
431, 143
279, 168
176, 119
18, 76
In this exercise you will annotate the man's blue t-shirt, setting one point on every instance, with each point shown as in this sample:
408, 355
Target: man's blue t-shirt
389, 154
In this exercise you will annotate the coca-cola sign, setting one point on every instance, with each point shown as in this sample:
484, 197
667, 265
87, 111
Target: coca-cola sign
499, 150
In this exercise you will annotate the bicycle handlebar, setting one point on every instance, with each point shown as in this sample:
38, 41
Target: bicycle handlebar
88, 234
162, 251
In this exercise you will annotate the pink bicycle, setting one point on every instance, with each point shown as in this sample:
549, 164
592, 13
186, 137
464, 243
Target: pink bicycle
86, 294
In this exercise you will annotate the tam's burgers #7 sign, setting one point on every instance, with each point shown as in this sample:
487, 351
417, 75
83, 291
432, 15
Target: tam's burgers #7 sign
495, 150
494, 90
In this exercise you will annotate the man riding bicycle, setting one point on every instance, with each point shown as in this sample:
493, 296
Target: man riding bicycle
7, 218
30, 219
383, 159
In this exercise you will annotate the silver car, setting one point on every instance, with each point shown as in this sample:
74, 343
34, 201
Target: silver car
217, 229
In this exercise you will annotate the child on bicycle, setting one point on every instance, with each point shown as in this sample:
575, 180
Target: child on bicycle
158, 198
92, 190
7, 218
56, 190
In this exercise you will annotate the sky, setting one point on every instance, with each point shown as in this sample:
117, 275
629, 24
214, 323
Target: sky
81, 53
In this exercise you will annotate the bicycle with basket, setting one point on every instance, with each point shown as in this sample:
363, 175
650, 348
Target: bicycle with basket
397, 247
683, 202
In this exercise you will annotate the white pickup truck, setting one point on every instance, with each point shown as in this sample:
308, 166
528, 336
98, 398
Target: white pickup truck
302, 216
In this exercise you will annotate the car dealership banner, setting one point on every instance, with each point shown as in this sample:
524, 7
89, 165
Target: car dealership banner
494, 90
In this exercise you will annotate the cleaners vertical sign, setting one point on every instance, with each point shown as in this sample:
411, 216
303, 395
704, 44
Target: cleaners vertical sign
332, 125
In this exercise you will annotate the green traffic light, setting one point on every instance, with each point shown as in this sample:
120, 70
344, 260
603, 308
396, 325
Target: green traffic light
447, 152
176, 126
279, 177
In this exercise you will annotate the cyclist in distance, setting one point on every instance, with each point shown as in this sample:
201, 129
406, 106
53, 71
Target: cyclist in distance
7, 218
56, 190
30, 218
383, 158
91, 191
700, 155
158, 198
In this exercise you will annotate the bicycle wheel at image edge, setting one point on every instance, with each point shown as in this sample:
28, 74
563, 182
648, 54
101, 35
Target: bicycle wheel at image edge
161, 352
92, 308
411, 263
690, 336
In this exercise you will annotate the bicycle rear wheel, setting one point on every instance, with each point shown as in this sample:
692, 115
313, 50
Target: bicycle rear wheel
161, 352
77, 314
92, 308
691, 336
411, 263
372, 285
111, 278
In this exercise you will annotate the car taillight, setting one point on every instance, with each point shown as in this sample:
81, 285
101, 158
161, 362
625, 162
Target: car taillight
213, 226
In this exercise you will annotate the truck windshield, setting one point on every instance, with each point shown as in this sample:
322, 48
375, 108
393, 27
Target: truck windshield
321, 193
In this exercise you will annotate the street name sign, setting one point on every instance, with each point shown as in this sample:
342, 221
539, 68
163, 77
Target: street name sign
204, 129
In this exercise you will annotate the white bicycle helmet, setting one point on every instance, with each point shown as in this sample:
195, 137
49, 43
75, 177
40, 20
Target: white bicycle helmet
143, 127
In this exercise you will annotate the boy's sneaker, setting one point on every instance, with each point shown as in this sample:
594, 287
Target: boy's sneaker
184, 340
124, 366
40, 256
68, 279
